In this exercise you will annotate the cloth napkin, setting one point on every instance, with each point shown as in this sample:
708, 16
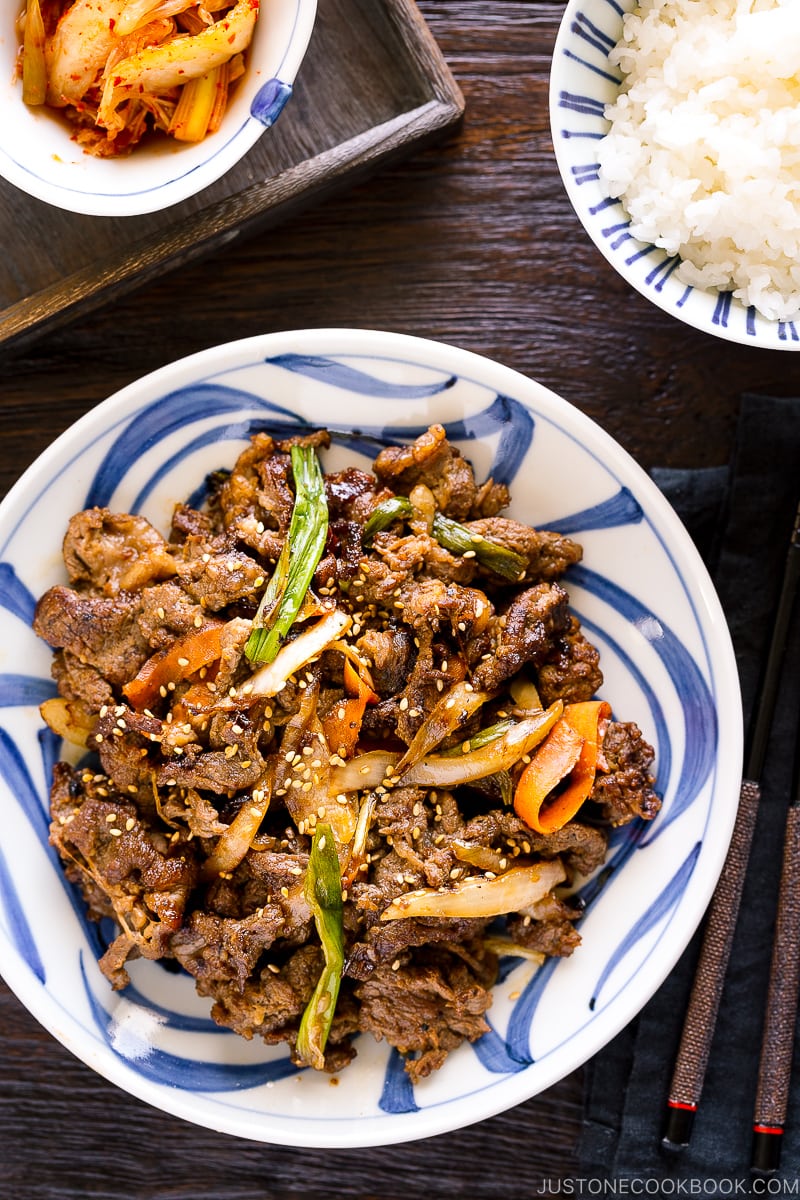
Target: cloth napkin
740, 518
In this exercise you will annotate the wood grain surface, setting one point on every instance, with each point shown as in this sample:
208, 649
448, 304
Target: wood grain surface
470, 241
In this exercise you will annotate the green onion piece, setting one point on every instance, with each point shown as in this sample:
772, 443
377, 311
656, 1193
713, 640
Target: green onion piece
453, 536
460, 540
383, 515
482, 738
302, 550
323, 891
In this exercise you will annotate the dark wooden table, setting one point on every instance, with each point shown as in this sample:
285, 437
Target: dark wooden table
459, 242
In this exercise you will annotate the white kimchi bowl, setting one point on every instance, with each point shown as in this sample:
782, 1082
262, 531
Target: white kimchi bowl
38, 155
644, 598
582, 83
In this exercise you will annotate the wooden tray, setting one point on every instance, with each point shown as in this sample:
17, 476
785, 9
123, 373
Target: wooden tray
372, 86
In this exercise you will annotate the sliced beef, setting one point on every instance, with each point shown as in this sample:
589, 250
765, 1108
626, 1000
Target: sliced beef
103, 631
78, 680
147, 879
623, 787
426, 1007
270, 1003
136, 834
432, 461
352, 495
166, 612
390, 652
220, 949
550, 930
571, 671
526, 633
216, 580
547, 555
418, 554
112, 552
583, 846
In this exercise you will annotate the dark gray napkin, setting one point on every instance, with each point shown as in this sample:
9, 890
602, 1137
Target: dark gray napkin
741, 518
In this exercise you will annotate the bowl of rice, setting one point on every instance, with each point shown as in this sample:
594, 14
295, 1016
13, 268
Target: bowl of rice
677, 134
164, 143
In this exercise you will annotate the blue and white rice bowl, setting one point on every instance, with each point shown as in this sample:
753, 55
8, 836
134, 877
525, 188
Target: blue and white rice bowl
643, 596
584, 80
38, 155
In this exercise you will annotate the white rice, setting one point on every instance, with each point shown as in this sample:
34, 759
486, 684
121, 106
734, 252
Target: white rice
704, 143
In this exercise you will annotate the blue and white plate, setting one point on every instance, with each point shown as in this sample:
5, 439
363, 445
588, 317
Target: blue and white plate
38, 155
644, 598
582, 83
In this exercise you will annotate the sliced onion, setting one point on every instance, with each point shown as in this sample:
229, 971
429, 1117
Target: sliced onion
453, 709
358, 850
378, 767
70, 719
525, 694
237, 839
479, 896
504, 947
270, 679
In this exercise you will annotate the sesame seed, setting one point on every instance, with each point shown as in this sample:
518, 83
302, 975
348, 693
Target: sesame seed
115, 832
129, 824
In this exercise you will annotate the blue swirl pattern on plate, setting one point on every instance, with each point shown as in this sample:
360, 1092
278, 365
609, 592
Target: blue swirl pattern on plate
213, 410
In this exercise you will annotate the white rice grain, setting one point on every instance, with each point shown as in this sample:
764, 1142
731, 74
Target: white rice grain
703, 147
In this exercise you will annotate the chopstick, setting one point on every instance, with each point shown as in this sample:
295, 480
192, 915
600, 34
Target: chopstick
691, 1062
775, 1065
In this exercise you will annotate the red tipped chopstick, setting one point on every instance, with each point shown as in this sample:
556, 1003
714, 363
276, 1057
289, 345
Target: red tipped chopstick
701, 1015
777, 1045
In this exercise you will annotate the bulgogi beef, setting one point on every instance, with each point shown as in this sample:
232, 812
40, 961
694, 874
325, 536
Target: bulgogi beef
340, 828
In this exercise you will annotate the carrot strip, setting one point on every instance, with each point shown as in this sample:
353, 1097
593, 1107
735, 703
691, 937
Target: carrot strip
179, 661
568, 756
342, 726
